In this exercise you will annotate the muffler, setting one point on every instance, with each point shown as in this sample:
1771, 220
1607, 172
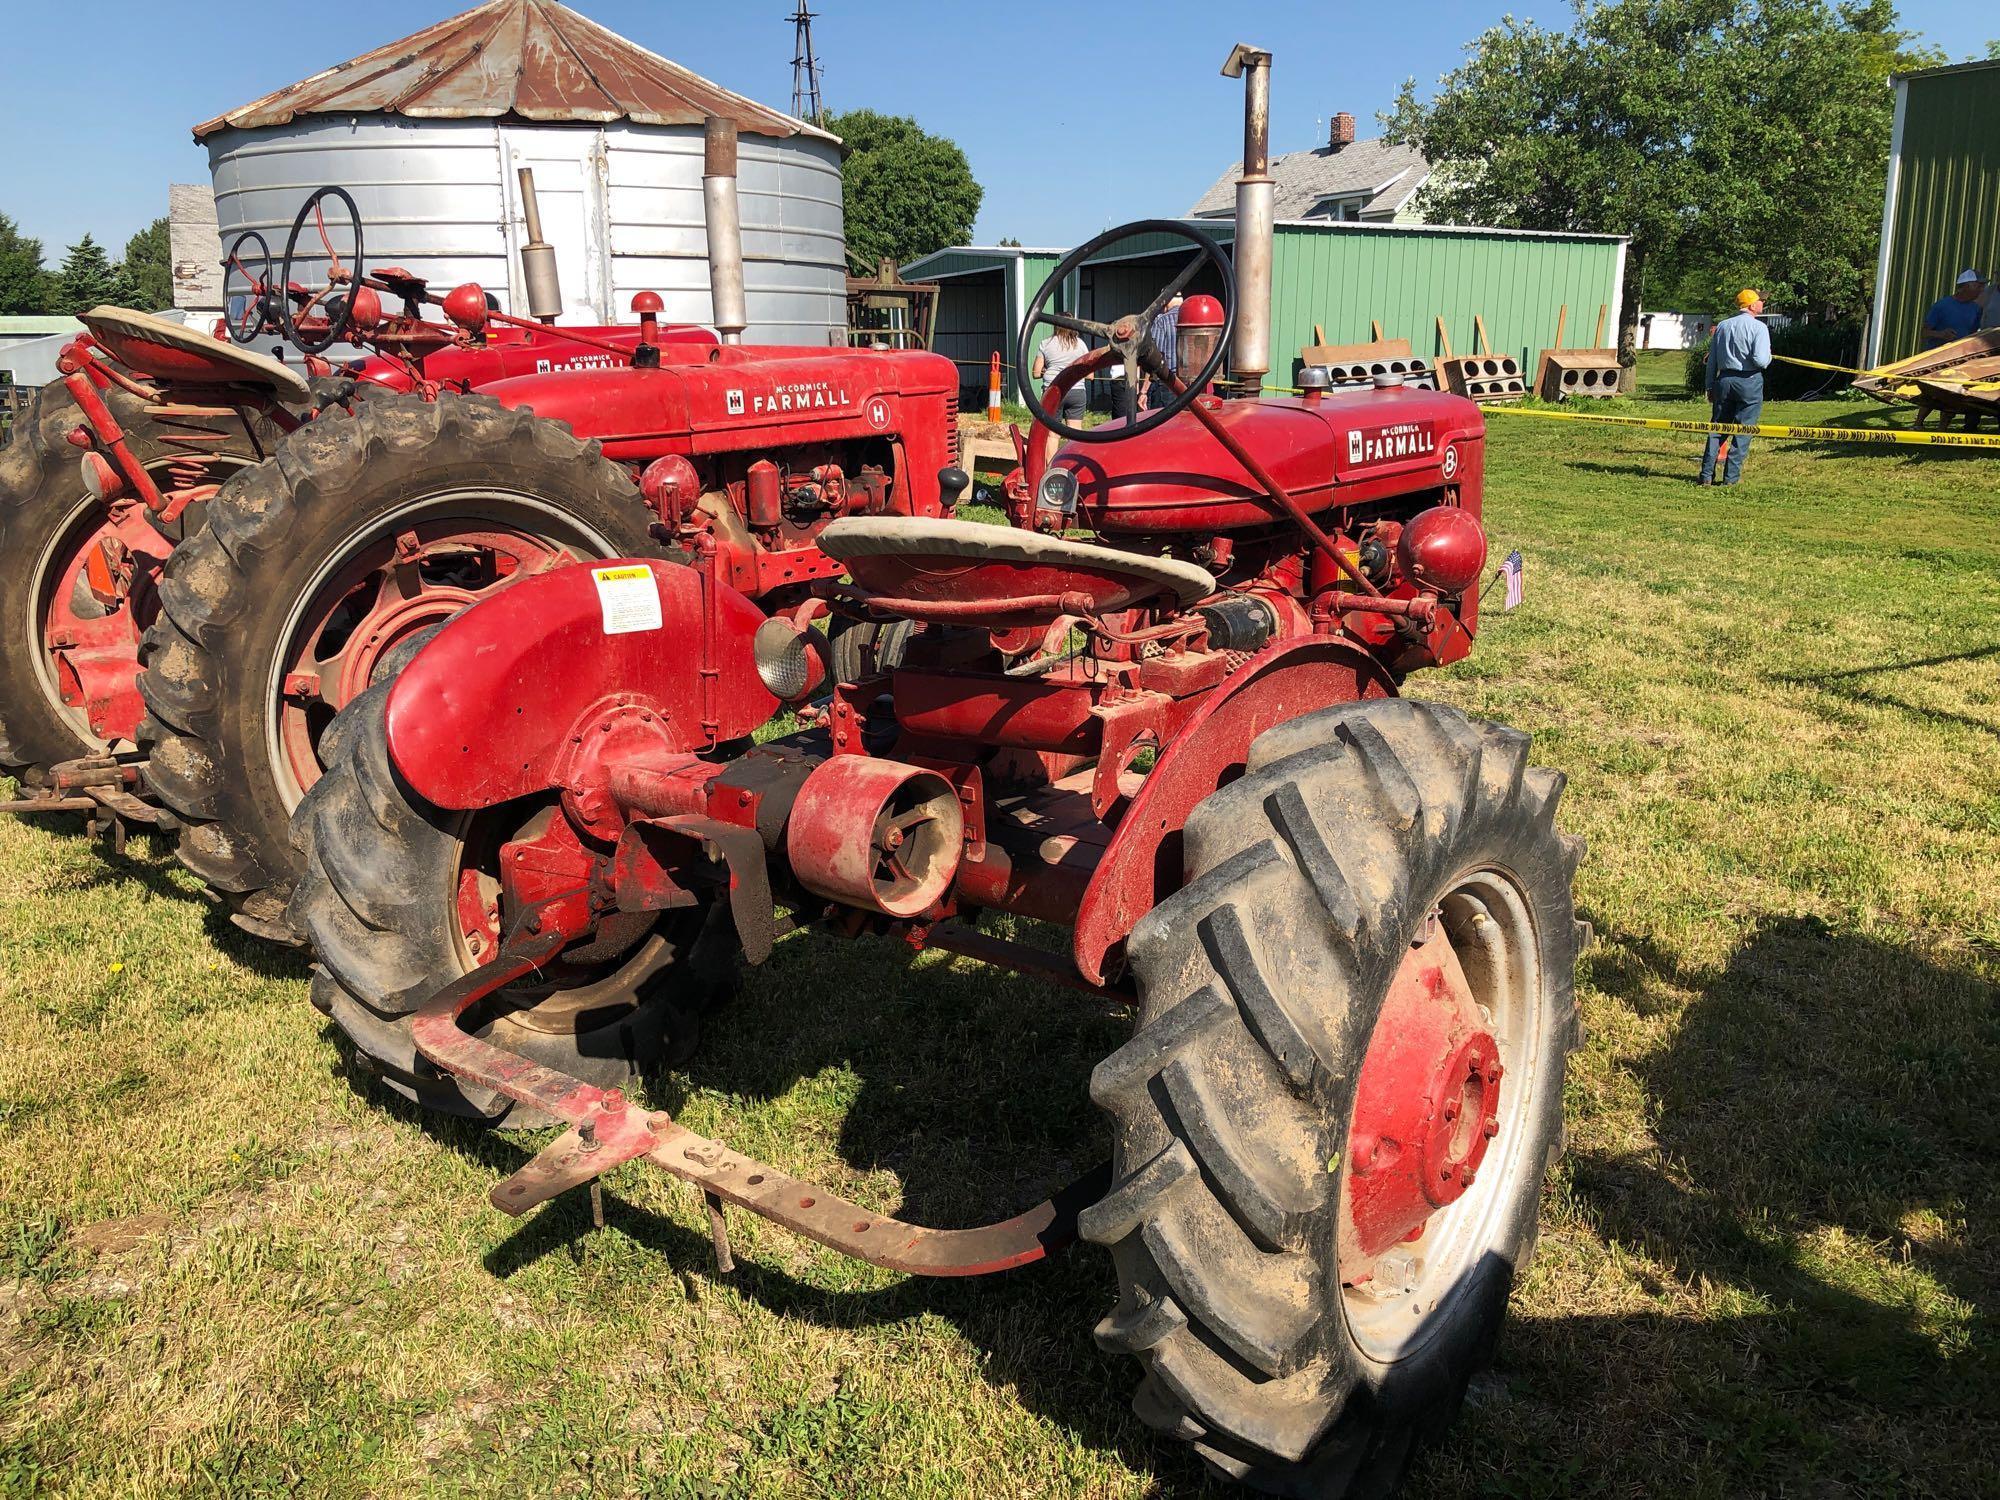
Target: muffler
1250, 351
725, 228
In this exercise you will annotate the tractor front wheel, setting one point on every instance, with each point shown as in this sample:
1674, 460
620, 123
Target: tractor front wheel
363, 531
1343, 1095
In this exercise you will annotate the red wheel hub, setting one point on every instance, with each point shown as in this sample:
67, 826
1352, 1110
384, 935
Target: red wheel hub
100, 596
387, 591
1426, 1106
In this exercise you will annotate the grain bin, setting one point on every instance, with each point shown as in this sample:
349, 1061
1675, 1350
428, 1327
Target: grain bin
427, 134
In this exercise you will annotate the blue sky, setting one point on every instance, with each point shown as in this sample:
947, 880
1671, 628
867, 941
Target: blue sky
1076, 115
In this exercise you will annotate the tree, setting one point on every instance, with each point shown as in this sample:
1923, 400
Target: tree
87, 278
905, 193
24, 282
149, 267
1733, 141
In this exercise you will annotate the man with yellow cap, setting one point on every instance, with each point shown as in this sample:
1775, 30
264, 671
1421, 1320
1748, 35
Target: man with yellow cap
1739, 351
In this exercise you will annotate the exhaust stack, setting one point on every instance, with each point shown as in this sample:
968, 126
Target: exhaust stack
538, 258
1250, 351
725, 228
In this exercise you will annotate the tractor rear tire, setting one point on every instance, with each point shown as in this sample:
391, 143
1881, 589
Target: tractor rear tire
214, 659
377, 903
848, 641
1261, 980
41, 498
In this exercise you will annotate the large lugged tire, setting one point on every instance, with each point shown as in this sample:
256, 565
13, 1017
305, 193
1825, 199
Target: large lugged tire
1310, 879
378, 903
44, 513
231, 754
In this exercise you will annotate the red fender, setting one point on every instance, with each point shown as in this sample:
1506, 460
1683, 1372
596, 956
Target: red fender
485, 712
1142, 864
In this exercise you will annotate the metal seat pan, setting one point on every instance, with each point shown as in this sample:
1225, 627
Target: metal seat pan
996, 575
167, 351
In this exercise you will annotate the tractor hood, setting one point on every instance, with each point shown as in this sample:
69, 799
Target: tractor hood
1339, 449
738, 397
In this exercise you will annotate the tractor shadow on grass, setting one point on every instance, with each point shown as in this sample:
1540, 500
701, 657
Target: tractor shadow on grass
1851, 685
148, 861
968, 1083
1825, 1099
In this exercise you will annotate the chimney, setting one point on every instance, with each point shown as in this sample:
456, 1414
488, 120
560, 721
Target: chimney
1342, 133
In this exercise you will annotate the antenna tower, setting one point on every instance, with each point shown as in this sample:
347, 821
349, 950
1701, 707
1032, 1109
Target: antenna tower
806, 103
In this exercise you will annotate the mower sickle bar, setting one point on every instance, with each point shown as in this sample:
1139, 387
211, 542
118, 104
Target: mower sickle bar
606, 1130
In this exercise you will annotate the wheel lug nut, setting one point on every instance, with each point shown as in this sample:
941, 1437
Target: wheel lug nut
1492, 1125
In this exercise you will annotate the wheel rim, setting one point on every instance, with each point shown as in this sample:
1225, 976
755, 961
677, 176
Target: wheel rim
87, 647
1472, 997
395, 576
571, 993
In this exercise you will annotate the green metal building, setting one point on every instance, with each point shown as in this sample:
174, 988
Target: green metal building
1339, 276
1941, 213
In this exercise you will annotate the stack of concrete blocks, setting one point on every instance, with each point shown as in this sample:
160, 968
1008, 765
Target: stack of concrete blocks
1565, 374
1484, 377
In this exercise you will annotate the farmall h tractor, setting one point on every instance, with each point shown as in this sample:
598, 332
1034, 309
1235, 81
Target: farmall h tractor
120, 461
1164, 713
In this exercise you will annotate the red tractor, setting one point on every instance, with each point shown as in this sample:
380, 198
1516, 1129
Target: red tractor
118, 464
1342, 917
413, 497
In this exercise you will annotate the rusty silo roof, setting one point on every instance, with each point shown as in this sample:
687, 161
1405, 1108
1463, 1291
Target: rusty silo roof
525, 59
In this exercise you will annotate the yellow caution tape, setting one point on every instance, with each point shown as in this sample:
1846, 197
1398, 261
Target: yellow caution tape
1813, 364
1765, 429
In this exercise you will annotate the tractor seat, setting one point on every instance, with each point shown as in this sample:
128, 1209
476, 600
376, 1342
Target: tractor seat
964, 572
168, 352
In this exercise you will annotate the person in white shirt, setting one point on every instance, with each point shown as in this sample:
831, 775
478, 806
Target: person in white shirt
1058, 352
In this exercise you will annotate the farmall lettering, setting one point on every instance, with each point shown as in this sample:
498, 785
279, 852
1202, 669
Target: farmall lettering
1378, 445
804, 395
580, 362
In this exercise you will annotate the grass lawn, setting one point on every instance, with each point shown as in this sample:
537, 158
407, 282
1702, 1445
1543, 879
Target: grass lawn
1770, 1263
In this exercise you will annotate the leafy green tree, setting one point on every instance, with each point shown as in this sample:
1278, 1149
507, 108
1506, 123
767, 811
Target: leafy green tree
24, 282
905, 192
86, 278
149, 267
1737, 142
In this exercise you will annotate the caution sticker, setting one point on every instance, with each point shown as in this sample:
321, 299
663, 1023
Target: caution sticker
628, 598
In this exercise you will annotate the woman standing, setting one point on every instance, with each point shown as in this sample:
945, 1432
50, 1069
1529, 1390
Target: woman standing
1058, 352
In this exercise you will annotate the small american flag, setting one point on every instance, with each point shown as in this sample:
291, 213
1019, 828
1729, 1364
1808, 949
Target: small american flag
1511, 571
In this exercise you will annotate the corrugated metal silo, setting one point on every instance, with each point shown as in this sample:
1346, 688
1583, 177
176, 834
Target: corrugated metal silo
427, 134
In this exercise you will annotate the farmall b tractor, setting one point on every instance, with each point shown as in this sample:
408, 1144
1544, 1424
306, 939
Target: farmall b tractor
471, 451
1162, 709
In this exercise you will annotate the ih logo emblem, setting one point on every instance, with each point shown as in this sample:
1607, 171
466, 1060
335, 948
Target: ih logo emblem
878, 414
734, 401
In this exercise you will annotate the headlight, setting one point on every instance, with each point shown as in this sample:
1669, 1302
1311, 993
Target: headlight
786, 662
100, 480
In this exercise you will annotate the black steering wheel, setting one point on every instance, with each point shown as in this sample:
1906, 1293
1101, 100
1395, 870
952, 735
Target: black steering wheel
249, 312
336, 308
1132, 335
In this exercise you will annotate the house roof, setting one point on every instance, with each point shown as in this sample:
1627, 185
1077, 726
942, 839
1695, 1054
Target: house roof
1304, 179
525, 59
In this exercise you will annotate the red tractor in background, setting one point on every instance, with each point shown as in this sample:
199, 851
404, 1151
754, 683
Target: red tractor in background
412, 497
117, 466
1343, 918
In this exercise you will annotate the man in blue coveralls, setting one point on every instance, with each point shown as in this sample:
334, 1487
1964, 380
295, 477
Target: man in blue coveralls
1739, 351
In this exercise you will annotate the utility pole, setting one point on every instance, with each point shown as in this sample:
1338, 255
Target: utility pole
806, 103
